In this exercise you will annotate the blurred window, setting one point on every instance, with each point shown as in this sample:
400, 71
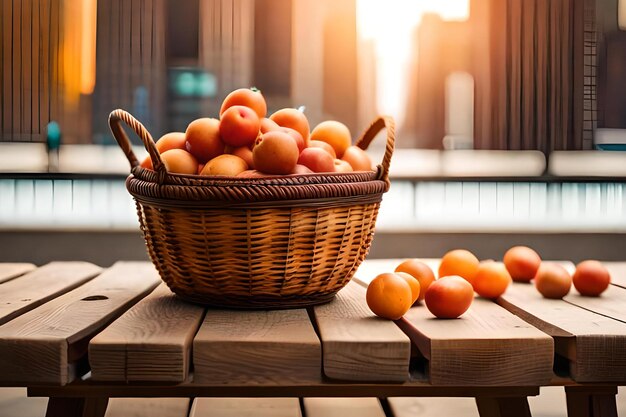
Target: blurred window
621, 14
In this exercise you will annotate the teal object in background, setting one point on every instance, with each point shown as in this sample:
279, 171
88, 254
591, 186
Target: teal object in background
53, 137
611, 146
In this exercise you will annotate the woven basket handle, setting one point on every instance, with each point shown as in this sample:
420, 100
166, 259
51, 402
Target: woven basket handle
115, 123
382, 122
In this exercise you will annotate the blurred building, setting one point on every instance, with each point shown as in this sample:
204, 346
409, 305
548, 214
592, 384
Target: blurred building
545, 74
169, 61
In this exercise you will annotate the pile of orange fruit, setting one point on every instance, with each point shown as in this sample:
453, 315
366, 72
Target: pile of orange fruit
462, 275
245, 142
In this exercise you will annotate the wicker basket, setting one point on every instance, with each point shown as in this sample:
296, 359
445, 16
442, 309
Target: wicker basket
272, 242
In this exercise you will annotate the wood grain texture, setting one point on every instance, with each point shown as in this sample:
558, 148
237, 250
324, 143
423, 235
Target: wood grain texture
618, 273
150, 342
357, 345
245, 407
485, 346
594, 344
9, 271
503, 407
343, 407
40, 346
41, 285
144, 407
256, 346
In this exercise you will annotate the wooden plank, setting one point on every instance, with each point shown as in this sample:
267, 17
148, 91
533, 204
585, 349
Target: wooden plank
8, 271
618, 273
241, 407
343, 407
150, 342
256, 346
611, 303
486, 346
594, 344
41, 285
357, 345
41, 346
147, 407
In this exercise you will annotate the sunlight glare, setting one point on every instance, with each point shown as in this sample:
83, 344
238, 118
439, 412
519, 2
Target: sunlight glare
392, 25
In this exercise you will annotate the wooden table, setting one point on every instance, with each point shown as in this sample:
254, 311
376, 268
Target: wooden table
80, 334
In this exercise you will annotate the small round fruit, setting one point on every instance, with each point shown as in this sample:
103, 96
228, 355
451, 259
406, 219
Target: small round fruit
591, 278
323, 145
449, 297
275, 152
342, 166
228, 165
294, 119
459, 262
295, 135
552, 280
491, 280
179, 161
413, 283
249, 97
317, 160
243, 152
301, 169
357, 158
522, 263
389, 296
239, 126
203, 139
420, 271
336, 134
147, 163
267, 125
172, 140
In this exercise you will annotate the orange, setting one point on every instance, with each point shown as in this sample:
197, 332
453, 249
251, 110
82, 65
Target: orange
249, 97
389, 296
591, 278
336, 134
522, 263
553, 281
413, 283
420, 271
449, 297
459, 262
294, 119
491, 280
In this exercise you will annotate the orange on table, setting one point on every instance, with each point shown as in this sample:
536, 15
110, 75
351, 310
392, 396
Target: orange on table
389, 296
459, 262
522, 263
449, 297
420, 271
491, 280
413, 283
591, 278
552, 280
